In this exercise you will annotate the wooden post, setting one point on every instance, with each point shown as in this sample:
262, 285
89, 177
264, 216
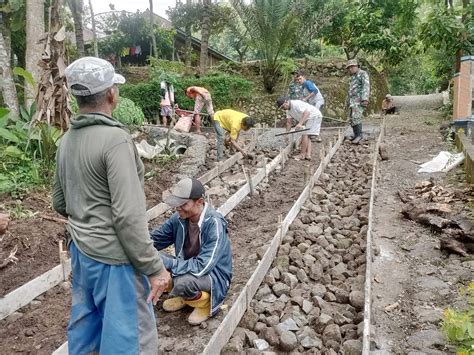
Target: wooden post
282, 158
280, 224
63, 259
306, 174
275, 123
209, 201
249, 180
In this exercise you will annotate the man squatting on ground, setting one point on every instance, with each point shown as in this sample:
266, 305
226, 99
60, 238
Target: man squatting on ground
388, 106
229, 123
311, 94
307, 115
201, 271
357, 98
202, 99
98, 186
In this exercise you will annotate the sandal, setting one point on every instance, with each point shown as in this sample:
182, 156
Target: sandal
298, 157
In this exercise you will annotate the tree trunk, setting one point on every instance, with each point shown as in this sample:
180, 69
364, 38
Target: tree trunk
94, 30
76, 9
187, 42
34, 32
6, 75
204, 37
152, 31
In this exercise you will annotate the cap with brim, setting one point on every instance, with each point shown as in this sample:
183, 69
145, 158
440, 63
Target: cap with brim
352, 63
185, 190
281, 100
93, 74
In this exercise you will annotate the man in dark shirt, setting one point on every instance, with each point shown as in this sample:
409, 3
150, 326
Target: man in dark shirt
201, 269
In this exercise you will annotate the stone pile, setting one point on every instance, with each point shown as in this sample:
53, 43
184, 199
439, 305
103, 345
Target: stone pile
312, 298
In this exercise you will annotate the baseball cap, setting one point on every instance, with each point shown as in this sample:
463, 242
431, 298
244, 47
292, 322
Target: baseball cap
388, 96
185, 190
351, 63
280, 101
94, 74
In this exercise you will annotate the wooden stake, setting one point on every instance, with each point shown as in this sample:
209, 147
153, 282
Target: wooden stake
280, 223
306, 174
275, 123
282, 158
63, 259
209, 201
249, 180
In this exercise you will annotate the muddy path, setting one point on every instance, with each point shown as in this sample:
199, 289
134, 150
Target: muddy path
413, 279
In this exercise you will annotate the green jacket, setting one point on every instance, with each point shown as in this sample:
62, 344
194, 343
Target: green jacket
99, 187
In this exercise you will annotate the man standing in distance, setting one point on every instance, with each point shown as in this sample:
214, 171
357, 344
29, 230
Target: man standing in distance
116, 271
357, 98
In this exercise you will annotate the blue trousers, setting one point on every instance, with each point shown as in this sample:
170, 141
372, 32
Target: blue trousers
109, 313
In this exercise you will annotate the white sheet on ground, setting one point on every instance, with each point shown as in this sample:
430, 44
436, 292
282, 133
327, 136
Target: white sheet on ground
443, 162
148, 151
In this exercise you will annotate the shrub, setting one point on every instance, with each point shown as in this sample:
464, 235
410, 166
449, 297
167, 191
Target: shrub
126, 112
458, 325
227, 91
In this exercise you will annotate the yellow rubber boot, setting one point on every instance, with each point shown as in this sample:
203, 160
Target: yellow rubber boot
174, 304
202, 309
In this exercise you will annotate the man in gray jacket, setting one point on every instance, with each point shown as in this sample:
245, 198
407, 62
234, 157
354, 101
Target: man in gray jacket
116, 271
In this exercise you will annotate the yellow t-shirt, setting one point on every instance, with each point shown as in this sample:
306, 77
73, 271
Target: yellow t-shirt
231, 121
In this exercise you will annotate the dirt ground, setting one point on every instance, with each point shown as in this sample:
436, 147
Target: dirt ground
412, 276
409, 269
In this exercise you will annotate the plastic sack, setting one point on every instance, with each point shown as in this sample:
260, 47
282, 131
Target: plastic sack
443, 162
184, 124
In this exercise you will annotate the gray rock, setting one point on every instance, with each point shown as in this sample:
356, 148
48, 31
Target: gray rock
250, 336
426, 339
316, 271
322, 241
318, 290
307, 306
428, 314
275, 273
339, 319
356, 299
262, 292
12, 318
308, 343
352, 347
280, 288
324, 319
259, 327
289, 279
308, 259
301, 276
296, 256
260, 344
249, 320
271, 335
318, 193
282, 262
332, 332
288, 325
288, 341
272, 320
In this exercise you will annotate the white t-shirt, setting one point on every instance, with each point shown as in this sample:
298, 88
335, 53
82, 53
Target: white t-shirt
296, 111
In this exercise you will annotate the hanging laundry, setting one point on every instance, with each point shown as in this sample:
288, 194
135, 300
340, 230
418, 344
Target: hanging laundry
138, 50
132, 51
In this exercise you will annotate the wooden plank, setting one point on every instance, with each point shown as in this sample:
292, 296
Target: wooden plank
368, 260
226, 328
26, 293
62, 350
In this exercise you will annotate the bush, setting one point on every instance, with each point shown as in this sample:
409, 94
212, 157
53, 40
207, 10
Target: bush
226, 90
126, 112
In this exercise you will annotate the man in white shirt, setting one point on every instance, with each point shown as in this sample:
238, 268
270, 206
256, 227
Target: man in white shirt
306, 115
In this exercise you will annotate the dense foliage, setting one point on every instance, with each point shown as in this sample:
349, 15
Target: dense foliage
226, 91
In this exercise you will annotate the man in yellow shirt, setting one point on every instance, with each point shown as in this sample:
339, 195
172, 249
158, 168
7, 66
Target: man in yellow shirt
230, 122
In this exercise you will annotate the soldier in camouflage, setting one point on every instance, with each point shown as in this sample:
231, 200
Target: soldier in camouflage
357, 98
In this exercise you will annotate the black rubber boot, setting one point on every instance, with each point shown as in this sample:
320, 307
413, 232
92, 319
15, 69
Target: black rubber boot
354, 129
358, 133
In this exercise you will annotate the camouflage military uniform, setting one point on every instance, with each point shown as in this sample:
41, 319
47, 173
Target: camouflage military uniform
295, 91
359, 90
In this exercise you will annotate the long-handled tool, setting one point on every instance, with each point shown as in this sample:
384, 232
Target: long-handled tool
292, 132
334, 119
187, 111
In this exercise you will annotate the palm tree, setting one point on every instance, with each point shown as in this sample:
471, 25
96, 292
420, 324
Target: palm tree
34, 32
6, 75
76, 7
272, 26
204, 36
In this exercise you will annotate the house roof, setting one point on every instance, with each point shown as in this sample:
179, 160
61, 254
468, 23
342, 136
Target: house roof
195, 42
